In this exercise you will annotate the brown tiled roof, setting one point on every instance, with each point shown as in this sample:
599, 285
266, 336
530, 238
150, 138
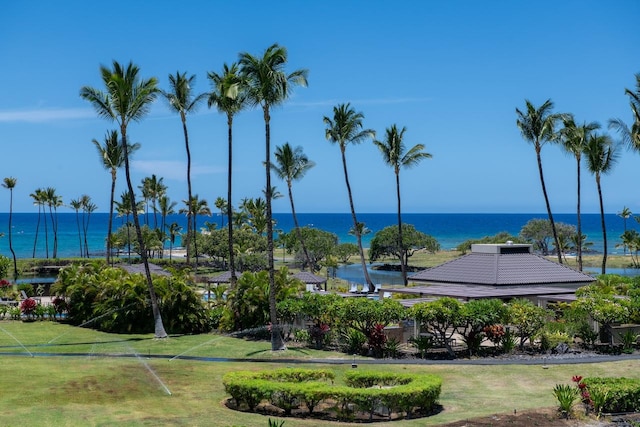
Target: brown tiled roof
497, 269
309, 278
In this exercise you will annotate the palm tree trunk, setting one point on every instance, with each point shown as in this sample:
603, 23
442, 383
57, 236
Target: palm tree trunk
190, 229
159, 326
54, 228
579, 222
35, 241
355, 221
546, 200
276, 337
46, 232
13, 253
232, 266
298, 232
604, 228
110, 226
79, 232
403, 267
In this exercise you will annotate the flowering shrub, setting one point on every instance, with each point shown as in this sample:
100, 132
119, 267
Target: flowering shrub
60, 305
377, 340
28, 307
317, 334
4, 283
494, 333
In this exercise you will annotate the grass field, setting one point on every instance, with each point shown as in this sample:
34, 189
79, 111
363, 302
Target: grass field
97, 389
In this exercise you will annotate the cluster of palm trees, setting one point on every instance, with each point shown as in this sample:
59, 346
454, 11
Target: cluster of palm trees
584, 142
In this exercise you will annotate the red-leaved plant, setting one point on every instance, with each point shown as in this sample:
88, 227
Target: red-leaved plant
28, 307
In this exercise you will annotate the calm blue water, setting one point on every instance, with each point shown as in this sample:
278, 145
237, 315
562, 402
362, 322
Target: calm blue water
449, 229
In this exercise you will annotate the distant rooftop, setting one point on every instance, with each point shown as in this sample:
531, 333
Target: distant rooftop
503, 265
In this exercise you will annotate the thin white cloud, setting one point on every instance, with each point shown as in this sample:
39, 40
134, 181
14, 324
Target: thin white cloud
172, 170
45, 115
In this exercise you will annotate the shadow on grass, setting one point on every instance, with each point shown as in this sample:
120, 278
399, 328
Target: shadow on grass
292, 349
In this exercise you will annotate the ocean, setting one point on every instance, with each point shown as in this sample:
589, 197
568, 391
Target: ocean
449, 229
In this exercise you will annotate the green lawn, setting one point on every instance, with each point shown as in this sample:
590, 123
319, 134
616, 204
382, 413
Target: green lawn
96, 390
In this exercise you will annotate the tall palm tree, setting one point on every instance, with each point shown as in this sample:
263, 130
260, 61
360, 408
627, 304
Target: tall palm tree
625, 214
174, 231
228, 95
197, 207
152, 189
574, 139
346, 128
128, 98
396, 156
630, 136
601, 156
124, 209
53, 201
10, 183
183, 101
166, 207
537, 126
112, 157
38, 199
291, 165
88, 207
76, 205
269, 85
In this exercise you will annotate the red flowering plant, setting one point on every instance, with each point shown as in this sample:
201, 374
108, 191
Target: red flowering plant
5, 285
585, 396
28, 307
377, 340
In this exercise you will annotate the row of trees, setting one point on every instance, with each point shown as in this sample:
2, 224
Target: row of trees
540, 125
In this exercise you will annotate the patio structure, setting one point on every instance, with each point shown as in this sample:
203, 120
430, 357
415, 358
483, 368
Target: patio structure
503, 271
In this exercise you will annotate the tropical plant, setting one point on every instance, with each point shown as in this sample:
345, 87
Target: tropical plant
319, 245
440, 318
539, 231
53, 201
537, 126
396, 156
76, 205
182, 101
386, 242
476, 315
112, 157
291, 165
346, 128
630, 136
228, 94
527, 318
152, 189
567, 396
601, 156
10, 183
625, 214
574, 140
127, 98
268, 85
38, 200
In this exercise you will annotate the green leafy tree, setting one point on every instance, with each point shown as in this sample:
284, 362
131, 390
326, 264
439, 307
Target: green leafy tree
269, 85
291, 165
440, 318
183, 101
539, 232
364, 314
228, 95
476, 315
574, 138
10, 183
397, 157
343, 129
601, 156
605, 309
319, 245
527, 317
537, 126
386, 243
344, 251
127, 98
112, 158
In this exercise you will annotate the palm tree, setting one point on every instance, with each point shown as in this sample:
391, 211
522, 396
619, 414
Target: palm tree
53, 201
76, 205
291, 165
268, 85
197, 207
174, 231
123, 208
38, 199
630, 136
221, 205
394, 155
127, 98
166, 207
152, 189
229, 96
10, 183
537, 127
346, 128
625, 214
112, 156
182, 100
88, 207
574, 139
601, 155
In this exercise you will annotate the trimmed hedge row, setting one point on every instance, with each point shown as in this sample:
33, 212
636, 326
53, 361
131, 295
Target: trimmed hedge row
365, 392
616, 394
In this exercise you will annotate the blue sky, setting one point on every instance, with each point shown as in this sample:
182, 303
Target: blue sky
451, 72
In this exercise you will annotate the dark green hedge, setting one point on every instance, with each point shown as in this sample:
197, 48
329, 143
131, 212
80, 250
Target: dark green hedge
617, 394
365, 392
